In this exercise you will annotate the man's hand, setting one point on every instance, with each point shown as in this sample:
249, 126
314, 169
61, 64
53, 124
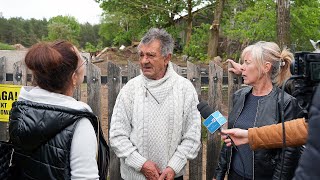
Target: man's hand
150, 170
167, 174
236, 67
239, 136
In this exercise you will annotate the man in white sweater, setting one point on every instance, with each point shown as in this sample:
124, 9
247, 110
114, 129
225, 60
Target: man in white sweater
155, 125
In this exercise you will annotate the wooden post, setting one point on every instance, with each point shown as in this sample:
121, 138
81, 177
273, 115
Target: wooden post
93, 88
4, 135
3, 70
215, 101
234, 83
133, 70
77, 93
114, 86
19, 73
195, 165
177, 69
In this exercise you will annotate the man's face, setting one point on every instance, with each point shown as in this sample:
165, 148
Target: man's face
152, 63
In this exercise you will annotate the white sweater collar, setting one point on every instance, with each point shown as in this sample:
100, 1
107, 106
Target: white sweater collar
153, 83
38, 95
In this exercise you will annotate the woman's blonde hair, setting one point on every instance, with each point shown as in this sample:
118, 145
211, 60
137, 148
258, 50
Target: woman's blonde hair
262, 52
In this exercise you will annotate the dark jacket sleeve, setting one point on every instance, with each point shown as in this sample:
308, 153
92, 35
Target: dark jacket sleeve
222, 164
310, 159
291, 154
270, 137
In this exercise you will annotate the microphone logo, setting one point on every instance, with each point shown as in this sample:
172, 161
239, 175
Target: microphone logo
214, 122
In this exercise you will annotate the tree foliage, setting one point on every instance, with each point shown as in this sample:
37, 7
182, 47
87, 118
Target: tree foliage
127, 21
20, 31
199, 43
305, 23
64, 27
243, 22
30, 31
251, 22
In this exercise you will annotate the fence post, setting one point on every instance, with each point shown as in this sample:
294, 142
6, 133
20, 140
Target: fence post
215, 101
4, 135
177, 68
195, 165
133, 70
19, 73
94, 89
114, 86
234, 83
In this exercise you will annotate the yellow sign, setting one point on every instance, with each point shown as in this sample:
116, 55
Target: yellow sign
8, 94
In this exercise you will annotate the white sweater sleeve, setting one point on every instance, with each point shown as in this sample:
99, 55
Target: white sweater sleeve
83, 161
191, 133
120, 130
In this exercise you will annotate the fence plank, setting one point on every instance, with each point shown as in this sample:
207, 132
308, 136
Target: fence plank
114, 86
133, 70
194, 75
4, 135
234, 83
195, 165
94, 88
177, 68
19, 73
215, 101
77, 93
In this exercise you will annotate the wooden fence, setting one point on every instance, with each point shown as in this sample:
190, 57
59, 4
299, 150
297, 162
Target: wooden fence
114, 84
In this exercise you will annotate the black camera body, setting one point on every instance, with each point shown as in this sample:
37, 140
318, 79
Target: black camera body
307, 66
305, 70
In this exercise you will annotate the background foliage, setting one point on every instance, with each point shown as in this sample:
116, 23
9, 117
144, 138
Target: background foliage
243, 22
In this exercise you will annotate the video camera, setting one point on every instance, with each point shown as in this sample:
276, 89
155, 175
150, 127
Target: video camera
305, 70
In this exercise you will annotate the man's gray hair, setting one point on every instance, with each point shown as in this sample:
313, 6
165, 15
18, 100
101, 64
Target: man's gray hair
166, 40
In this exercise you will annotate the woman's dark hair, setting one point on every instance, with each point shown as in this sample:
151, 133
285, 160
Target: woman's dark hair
52, 65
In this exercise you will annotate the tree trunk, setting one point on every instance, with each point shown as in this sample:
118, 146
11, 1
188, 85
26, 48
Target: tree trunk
189, 22
283, 23
214, 30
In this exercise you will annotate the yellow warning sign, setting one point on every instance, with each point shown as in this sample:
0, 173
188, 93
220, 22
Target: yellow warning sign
8, 94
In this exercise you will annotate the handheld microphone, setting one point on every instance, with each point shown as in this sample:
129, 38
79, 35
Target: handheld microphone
213, 119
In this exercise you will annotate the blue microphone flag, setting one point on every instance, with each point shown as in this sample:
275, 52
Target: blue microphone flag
214, 121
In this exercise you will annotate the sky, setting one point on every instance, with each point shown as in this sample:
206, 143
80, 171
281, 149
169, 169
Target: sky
83, 10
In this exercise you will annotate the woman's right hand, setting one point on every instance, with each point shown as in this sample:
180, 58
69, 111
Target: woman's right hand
239, 136
236, 67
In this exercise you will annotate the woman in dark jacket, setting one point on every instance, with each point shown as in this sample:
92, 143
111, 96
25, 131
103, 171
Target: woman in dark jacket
264, 67
310, 158
54, 135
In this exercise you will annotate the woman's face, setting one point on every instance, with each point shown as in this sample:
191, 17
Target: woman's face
250, 71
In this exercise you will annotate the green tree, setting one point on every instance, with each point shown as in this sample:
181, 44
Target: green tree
256, 20
198, 45
251, 22
305, 24
132, 19
89, 34
64, 27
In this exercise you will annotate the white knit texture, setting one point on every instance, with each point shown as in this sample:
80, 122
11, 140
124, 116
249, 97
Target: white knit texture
155, 120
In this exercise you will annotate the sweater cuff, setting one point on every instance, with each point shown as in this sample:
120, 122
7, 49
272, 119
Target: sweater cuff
135, 160
177, 163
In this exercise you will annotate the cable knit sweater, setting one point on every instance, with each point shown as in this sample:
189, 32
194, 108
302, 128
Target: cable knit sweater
155, 120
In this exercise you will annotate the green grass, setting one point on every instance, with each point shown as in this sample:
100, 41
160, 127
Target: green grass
4, 46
